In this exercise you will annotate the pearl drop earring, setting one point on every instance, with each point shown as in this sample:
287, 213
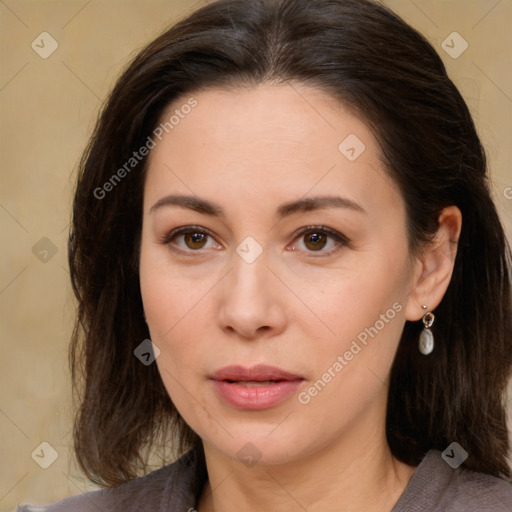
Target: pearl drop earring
426, 342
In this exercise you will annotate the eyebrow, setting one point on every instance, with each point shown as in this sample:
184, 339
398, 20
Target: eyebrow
286, 209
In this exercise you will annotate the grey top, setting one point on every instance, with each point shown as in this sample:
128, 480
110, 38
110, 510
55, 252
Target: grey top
434, 487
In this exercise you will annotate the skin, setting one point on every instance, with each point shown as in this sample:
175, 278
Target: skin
298, 306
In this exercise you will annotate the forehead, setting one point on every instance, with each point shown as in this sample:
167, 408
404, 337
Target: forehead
273, 140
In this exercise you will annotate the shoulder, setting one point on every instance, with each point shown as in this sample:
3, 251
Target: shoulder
166, 487
436, 487
146, 490
480, 492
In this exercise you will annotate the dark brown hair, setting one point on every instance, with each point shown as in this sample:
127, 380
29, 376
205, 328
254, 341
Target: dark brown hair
368, 58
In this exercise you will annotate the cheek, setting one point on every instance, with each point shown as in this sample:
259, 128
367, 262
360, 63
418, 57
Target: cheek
352, 366
349, 299
174, 320
169, 294
173, 324
364, 310
175, 306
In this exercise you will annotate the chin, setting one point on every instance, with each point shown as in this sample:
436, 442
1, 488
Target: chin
254, 445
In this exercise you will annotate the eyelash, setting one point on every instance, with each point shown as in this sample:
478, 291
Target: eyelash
340, 239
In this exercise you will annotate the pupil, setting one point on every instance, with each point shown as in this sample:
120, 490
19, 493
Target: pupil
316, 241
195, 240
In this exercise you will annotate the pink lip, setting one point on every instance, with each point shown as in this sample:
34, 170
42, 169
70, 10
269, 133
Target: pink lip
256, 397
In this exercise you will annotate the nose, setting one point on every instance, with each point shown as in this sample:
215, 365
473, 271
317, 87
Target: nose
250, 305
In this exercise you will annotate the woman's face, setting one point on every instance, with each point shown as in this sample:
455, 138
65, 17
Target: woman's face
278, 305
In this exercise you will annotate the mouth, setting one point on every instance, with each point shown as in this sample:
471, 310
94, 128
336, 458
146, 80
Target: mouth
252, 383
257, 374
256, 388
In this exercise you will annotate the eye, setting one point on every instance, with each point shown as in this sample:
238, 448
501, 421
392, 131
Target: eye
190, 238
319, 239
312, 239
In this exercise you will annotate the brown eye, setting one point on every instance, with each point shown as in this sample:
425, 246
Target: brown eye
195, 240
315, 241
321, 240
191, 239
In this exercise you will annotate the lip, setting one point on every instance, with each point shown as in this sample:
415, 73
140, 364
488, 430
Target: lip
260, 372
227, 383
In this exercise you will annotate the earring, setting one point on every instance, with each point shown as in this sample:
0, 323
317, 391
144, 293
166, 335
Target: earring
426, 343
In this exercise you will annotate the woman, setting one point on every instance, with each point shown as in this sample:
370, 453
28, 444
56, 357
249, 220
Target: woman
290, 200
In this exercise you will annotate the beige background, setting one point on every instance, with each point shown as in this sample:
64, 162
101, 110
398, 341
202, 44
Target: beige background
48, 107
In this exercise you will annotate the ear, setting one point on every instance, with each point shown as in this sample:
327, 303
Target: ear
433, 268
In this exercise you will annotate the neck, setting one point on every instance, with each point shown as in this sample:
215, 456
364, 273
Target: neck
357, 472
